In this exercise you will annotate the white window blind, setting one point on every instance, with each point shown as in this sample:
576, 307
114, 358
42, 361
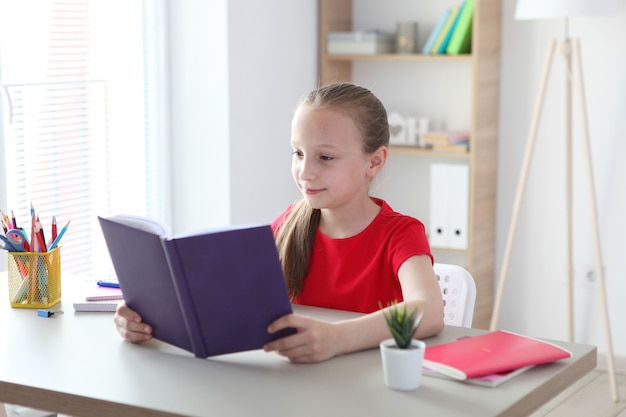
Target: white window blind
81, 135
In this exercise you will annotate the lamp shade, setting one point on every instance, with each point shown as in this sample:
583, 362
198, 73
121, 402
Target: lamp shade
553, 9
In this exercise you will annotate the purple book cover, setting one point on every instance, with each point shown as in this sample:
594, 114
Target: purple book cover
217, 292
144, 277
230, 286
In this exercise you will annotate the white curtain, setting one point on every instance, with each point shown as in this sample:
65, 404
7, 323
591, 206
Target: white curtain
85, 126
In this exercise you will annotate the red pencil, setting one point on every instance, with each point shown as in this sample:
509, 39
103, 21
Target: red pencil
54, 228
26, 244
41, 237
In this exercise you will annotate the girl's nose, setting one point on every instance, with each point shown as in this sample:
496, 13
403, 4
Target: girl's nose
305, 169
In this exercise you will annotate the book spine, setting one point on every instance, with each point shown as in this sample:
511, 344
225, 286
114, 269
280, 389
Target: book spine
185, 300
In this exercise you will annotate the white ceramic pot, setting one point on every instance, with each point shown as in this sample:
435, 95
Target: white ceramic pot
402, 368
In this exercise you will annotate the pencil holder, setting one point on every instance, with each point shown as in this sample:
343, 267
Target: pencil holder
35, 278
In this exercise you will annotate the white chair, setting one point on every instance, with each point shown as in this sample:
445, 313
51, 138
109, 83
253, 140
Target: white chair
459, 294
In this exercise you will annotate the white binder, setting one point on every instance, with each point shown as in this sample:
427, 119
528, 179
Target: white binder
458, 197
438, 227
449, 196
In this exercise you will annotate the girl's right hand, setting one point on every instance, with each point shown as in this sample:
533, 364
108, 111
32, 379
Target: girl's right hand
130, 326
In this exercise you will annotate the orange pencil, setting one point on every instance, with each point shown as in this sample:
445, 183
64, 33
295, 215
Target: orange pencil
4, 219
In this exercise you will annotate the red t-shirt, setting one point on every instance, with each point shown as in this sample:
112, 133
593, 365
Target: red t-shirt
359, 272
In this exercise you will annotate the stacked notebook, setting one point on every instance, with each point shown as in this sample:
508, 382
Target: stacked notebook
489, 359
97, 298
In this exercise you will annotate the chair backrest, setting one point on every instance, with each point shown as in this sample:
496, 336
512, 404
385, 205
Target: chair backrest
459, 294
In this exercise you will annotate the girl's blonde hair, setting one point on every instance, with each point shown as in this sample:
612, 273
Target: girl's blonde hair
296, 235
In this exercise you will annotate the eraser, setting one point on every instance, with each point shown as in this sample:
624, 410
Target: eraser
47, 313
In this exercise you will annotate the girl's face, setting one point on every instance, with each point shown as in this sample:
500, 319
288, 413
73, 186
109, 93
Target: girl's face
329, 165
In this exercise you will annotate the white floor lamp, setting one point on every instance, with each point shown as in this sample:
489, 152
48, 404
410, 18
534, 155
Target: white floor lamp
570, 49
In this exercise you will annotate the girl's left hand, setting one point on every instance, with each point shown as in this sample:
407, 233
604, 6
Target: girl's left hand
315, 341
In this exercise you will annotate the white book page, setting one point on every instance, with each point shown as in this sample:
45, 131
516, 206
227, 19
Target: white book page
142, 223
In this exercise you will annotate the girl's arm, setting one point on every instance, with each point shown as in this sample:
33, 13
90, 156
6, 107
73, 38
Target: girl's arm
317, 341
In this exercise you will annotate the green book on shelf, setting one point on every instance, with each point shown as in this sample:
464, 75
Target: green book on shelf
445, 30
461, 39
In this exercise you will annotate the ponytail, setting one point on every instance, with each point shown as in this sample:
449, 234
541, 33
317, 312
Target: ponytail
294, 241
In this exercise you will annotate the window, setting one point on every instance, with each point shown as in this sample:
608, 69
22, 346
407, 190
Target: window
82, 127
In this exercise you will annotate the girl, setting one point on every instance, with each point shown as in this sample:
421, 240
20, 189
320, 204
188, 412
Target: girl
339, 247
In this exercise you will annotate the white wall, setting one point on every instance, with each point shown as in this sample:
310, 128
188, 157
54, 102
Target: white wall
273, 63
198, 48
535, 298
238, 70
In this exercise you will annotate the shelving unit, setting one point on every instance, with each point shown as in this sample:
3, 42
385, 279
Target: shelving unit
484, 64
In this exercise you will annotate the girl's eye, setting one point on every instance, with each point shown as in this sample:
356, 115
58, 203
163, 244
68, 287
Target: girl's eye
296, 153
326, 158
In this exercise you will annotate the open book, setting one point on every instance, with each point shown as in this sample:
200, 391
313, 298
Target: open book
491, 358
210, 293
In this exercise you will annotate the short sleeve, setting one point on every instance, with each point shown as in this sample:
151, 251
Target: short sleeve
408, 239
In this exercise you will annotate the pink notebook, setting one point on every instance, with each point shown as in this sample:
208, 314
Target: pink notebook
490, 353
96, 293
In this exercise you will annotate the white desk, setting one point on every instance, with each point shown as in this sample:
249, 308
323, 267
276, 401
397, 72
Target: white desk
77, 364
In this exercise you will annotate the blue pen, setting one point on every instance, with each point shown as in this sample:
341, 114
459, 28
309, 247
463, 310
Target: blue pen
55, 242
108, 284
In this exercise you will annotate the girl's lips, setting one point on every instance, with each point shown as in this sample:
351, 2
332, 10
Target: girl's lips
311, 191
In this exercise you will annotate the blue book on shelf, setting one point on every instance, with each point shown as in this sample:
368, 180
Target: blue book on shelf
435, 33
446, 39
444, 30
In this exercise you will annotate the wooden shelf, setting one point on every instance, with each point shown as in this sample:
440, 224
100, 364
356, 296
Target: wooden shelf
398, 57
415, 150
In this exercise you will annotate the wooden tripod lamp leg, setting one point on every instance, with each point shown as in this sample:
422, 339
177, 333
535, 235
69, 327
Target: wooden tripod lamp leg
569, 187
594, 214
521, 185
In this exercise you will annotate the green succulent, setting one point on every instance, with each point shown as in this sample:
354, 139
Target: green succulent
402, 323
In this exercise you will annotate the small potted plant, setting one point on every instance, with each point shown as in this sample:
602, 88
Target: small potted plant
402, 355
